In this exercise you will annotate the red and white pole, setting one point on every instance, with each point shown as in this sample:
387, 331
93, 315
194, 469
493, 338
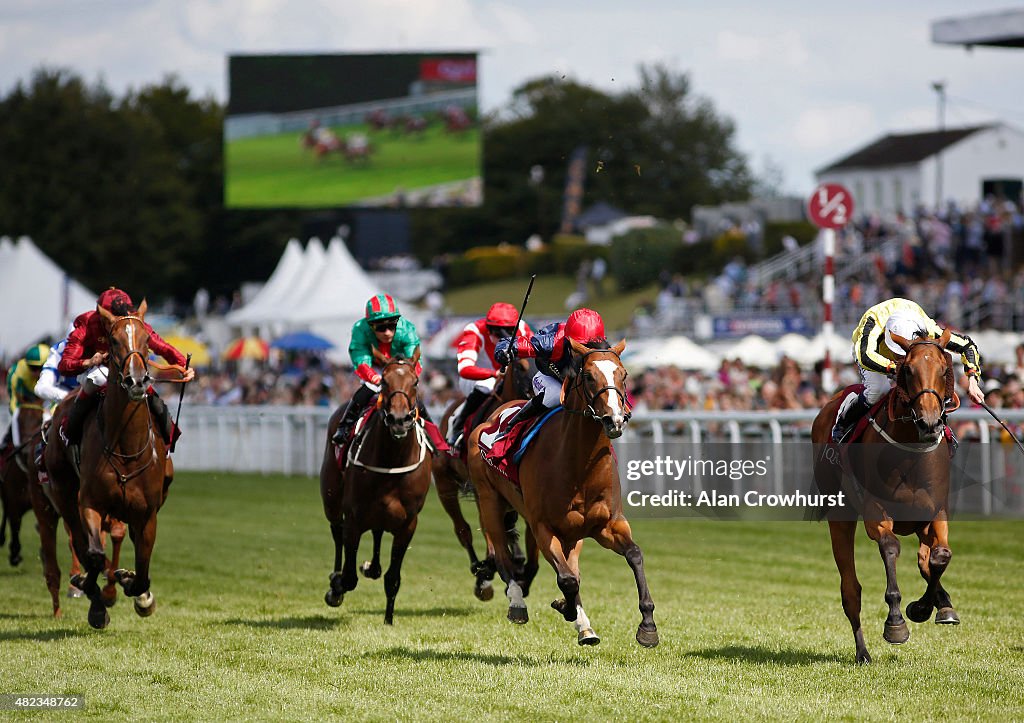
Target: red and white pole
828, 295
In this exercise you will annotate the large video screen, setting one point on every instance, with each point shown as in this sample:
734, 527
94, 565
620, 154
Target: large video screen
347, 130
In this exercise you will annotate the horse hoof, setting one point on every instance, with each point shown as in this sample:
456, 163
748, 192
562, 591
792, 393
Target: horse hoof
334, 599
145, 605
918, 611
587, 636
483, 590
896, 634
946, 616
99, 618
648, 638
15, 560
74, 592
518, 614
78, 581
369, 570
863, 657
109, 599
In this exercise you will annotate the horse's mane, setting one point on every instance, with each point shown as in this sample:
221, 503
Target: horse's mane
598, 344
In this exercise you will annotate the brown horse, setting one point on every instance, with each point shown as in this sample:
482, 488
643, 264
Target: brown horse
901, 471
451, 478
15, 477
122, 468
569, 489
383, 487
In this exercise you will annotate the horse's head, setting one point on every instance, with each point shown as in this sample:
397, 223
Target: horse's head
599, 378
128, 339
398, 401
924, 383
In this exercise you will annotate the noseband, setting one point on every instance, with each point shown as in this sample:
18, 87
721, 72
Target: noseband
945, 400
386, 400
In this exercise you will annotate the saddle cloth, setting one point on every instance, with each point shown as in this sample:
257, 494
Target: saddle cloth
503, 448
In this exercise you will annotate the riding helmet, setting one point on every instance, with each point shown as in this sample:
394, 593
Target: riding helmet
584, 325
381, 307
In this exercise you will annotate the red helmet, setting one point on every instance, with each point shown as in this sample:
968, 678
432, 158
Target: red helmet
584, 325
502, 314
111, 296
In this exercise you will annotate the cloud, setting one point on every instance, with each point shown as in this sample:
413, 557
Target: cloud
834, 128
786, 47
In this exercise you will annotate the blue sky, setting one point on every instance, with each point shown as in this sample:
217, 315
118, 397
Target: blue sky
804, 82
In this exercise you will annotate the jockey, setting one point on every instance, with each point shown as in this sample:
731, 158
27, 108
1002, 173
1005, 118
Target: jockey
21, 384
84, 357
52, 387
551, 348
385, 329
877, 352
478, 377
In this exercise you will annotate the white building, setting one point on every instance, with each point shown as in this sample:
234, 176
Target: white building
902, 171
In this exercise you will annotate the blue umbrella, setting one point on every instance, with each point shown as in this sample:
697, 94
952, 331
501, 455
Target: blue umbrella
301, 341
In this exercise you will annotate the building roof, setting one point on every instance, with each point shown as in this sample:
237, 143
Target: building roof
897, 149
1004, 29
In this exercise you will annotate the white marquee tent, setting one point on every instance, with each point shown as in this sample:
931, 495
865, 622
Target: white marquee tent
37, 298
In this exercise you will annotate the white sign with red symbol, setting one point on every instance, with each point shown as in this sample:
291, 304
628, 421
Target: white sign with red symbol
830, 206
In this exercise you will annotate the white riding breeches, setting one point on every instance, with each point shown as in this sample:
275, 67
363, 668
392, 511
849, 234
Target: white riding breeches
548, 389
484, 385
876, 385
95, 378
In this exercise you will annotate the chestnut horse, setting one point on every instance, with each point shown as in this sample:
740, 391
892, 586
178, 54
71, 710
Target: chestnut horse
15, 476
122, 468
901, 469
451, 478
383, 487
569, 489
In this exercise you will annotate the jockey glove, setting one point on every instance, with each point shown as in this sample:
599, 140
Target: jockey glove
502, 352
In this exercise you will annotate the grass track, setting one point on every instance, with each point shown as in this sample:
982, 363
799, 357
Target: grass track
749, 615
275, 171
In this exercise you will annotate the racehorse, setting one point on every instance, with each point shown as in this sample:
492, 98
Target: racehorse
122, 468
569, 489
384, 484
901, 465
451, 477
15, 478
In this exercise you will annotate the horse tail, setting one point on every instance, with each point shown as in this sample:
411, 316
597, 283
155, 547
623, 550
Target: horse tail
466, 489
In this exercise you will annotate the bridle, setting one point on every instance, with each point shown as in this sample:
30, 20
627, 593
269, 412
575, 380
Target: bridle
384, 401
124, 379
577, 385
949, 401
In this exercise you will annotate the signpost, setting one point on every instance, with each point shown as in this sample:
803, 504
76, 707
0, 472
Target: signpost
830, 207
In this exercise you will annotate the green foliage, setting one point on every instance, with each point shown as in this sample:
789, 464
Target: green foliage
639, 256
241, 631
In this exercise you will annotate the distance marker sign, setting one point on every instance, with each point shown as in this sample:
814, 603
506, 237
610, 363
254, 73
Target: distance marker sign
830, 206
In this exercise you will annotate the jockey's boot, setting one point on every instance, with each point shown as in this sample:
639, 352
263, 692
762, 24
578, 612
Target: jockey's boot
162, 417
80, 408
533, 408
437, 439
455, 425
355, 408
850, 411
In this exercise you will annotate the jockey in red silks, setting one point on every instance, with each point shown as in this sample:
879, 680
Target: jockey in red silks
551, 348
85, 355
384, 329
478, 373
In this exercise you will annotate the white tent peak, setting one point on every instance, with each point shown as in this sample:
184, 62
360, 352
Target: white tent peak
340, 289
277, 287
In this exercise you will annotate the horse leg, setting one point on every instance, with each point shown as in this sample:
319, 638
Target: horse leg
530, 568
618, 537
448, 493
348, 579
136, 583
393, 577
91, 554
933, 557
47, 518
371, 568
568, 581
76, 566
896, 630
511, 518
15, 552
117, 533
585, 634
492, 514
335, 594
842, 534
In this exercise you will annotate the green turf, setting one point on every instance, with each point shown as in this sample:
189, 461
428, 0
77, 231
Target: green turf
749, 615
548, 298
275, 171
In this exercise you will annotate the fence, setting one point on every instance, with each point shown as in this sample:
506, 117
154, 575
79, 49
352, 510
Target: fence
290, 440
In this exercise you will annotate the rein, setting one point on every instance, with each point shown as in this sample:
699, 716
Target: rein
384, 405
588, 399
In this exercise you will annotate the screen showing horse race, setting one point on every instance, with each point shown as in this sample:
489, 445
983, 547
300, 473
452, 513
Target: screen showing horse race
349, 130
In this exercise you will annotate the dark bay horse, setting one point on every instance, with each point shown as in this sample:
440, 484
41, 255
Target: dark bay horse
901, 466
451, 477
16, 476
122, 468
383, 487
569, 489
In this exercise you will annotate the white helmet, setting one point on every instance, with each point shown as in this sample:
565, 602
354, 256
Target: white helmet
905, 325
